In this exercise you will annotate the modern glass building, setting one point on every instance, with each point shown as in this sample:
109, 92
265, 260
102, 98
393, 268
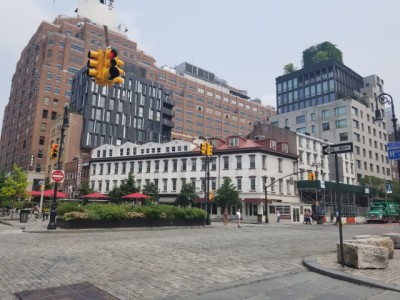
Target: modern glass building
321, 83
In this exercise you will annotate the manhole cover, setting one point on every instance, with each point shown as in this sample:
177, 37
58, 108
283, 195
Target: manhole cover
78, 291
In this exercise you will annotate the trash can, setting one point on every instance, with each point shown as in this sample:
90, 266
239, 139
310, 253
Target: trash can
23, 215
259, 217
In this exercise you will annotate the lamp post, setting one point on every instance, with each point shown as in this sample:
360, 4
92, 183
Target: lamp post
53, 207
383, 99
266, 200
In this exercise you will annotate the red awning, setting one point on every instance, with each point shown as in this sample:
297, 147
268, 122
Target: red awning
254, 200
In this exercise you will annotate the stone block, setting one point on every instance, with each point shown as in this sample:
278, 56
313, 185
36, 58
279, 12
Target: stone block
395, 238
365, 236
385, 242
363, 256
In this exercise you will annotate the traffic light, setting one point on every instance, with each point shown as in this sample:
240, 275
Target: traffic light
95, 65
311, 176
112, 71
211, 196
54, 151
209, 149
203, 148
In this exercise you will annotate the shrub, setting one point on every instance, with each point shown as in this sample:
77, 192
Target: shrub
106, 212
66, 207
75, 215
134, 215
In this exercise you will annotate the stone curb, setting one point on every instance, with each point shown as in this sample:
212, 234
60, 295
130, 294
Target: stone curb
312, 264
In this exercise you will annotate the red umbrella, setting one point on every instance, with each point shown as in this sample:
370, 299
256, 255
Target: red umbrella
50, 193
95, 196
35, 193
136, 196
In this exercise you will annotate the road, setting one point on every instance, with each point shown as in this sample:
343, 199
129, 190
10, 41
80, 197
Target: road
260, 261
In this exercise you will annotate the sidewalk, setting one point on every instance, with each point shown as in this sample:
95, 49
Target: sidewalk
388, 279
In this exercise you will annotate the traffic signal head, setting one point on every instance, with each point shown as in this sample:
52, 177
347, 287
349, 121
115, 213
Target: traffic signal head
309, 176
54, 151
203, 148
209, 149
112, 71
211, 196
95, 65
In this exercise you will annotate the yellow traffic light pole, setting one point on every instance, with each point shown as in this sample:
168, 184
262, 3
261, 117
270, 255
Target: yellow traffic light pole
206, 150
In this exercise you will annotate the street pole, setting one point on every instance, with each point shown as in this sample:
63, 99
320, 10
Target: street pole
208, 222
53, 207
266, 199
382, 99
41, 197
339, 204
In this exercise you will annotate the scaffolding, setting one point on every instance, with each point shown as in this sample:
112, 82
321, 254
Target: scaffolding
355, 201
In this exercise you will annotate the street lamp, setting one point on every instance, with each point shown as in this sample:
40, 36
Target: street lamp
382, 99
53, 207
266, 200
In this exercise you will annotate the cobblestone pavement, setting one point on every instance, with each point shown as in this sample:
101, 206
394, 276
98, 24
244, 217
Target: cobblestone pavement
152, 264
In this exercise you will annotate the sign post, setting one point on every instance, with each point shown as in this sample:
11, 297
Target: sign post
335, 149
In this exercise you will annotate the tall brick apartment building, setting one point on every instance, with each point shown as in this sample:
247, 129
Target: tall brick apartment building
41, 86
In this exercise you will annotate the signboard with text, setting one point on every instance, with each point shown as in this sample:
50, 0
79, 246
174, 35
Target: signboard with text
338, 148
57, 176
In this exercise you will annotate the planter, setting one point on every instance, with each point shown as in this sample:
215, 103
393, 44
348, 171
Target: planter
80, 224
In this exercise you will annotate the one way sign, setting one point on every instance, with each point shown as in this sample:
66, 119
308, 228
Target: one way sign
338, 148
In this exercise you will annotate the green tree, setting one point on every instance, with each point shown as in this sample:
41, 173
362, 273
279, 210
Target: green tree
321, 52
152, 190
128, 186
47, 183
14, 187
116, 194
187, 195
379, 185
289, 68
85, 189
227, 194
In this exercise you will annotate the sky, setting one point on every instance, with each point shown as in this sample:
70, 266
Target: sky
245, 42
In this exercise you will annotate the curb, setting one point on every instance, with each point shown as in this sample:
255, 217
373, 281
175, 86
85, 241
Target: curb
312, 264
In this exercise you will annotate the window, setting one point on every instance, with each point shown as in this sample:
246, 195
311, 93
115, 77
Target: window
45, 113
252, 183
193, 164
341, 123
325, 114
300, 119
340, 110
238, 162
280, 165
41, 140
140, 166
252, 161
343, 136
325, 126
233, 142
239, 183
226, 162
165, 166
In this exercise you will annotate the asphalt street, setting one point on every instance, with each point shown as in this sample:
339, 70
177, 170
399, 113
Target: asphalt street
257, 261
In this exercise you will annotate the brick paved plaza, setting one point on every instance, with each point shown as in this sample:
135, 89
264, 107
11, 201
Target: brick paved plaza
153, 264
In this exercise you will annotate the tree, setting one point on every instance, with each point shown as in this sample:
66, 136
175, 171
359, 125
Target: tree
128, 186
85, 189
289, 68
116, 194
187, 195
14, 187
152, 190
227, 194
378, 184
321, 52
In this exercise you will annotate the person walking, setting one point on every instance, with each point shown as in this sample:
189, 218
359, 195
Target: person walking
278, 216
337, 218
238, 216
226, 215
307, 217
331, 216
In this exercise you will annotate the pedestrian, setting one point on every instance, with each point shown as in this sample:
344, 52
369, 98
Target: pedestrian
337, 218
278, 216
238, 216
35, 211
331, 216
226, 215
307, 217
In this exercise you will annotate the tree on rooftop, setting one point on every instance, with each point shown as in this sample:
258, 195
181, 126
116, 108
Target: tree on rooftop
321, 52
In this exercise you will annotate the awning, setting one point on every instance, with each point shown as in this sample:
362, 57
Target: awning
254, 200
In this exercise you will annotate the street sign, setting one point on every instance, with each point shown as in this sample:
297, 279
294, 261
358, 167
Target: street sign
393, 150
57, 176
338, 148
393, 145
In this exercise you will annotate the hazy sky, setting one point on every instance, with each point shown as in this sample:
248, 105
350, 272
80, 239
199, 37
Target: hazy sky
246, 42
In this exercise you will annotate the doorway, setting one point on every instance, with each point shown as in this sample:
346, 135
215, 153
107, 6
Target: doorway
296, 215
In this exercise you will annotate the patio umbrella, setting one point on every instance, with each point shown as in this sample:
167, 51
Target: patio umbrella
136, 196
95, 196
50, 193
35, 193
